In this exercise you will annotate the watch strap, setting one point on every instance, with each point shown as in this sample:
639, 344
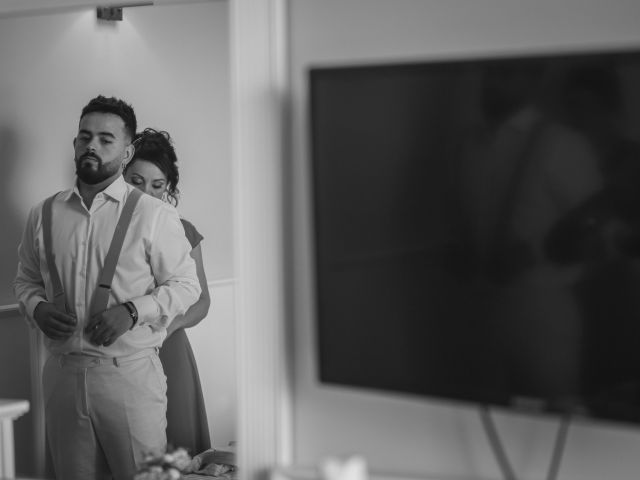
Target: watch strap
133, 313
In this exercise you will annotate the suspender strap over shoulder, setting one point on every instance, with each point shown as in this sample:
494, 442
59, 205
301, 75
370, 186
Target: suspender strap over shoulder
101, 296
58, 291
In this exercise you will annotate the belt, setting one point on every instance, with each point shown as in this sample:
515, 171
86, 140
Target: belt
87, 361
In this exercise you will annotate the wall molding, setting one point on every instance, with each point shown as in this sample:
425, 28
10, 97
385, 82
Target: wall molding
9, 310
221, 282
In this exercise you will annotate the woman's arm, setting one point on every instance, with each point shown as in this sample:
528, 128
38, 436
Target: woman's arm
198, 310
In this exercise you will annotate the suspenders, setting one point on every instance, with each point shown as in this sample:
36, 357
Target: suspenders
101, 296
58, 292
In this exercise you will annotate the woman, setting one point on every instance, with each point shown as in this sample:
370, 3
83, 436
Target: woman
154, 170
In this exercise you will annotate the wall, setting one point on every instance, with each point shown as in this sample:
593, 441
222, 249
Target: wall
171, 62
405, 435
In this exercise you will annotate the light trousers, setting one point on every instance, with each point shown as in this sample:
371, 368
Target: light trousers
104, 414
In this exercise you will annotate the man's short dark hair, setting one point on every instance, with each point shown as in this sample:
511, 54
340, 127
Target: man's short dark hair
116, 106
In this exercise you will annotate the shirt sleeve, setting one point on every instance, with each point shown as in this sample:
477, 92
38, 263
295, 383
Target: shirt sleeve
28, 286
174, 270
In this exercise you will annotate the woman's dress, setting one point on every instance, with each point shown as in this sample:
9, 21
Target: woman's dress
187, 424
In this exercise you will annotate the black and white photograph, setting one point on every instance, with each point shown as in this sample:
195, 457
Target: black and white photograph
319, 240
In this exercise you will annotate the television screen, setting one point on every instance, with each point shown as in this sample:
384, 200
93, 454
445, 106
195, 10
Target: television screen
477, 230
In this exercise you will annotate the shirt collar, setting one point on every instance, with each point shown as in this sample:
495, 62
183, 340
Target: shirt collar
116, 190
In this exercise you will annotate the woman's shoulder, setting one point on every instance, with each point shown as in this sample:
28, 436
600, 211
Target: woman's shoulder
191, 232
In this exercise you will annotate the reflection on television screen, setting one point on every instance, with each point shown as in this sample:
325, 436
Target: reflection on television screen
477, 230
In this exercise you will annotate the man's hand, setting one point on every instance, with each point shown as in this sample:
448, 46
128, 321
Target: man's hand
105, 327
54, 323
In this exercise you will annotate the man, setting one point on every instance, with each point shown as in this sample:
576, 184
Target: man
104, 387
524, 171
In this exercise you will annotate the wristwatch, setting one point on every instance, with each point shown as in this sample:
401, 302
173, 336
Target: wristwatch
133, 313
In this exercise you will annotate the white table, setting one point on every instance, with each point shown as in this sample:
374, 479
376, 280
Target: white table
9, 411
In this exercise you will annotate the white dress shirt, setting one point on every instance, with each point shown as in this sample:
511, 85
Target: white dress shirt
155, 270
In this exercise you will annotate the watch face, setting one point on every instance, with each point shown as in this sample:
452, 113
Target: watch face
133, 313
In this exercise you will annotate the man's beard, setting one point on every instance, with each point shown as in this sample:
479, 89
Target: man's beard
91, 170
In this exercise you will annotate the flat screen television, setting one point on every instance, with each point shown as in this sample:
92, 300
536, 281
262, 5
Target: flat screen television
476, 230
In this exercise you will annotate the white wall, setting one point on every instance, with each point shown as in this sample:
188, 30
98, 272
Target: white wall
406, 435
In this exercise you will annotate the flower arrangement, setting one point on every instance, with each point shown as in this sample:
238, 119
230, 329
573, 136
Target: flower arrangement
164, 466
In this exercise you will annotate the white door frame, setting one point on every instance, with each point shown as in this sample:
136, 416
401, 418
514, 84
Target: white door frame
260, 92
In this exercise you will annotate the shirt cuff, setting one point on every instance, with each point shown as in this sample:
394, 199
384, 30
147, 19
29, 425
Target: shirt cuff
148, 310
28, 309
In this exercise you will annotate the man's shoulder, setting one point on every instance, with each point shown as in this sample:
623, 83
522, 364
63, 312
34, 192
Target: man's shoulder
152, 203
59, 196
151, 207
